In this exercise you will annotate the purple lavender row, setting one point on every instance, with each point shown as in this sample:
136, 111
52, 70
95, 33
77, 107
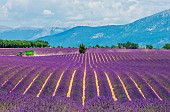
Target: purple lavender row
64, 84
91, 90
116, 84
145, 89
4, 69
10, 84
39, 81
49, 89
161, 92
162, 80
103, 83
159, 88
6, 75
28, 79
77, 86
51, 84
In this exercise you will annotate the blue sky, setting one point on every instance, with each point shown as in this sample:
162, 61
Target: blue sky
70, 13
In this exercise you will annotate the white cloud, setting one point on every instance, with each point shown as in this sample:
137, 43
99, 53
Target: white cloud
77, 12
48, 12
3, 12
73, 23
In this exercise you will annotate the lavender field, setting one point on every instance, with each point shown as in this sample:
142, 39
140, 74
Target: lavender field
99, 80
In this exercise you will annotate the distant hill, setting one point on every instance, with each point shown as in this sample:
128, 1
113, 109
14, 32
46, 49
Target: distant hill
27, 33
153, 30
4, 28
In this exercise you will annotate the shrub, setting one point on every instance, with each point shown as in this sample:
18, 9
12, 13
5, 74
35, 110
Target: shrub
128, 45
82, 48
149, 47
166, 46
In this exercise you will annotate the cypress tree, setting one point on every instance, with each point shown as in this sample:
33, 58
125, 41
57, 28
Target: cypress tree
82, 48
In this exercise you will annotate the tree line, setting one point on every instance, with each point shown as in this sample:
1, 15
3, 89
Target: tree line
23, 44
166, 46
129, 45
45, 44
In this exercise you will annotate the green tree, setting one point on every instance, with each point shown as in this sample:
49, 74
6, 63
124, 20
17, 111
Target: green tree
149, 47
61, 47
107, 46
166, 46
120, 45
97, 46
113, 46
82, 48
128, 45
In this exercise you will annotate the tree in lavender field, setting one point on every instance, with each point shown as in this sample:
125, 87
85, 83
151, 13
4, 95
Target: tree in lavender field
82, 48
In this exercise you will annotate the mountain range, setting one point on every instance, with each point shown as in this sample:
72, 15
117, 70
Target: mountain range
28, 33
153, 30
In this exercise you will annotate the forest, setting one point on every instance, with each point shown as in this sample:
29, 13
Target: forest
23, 44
